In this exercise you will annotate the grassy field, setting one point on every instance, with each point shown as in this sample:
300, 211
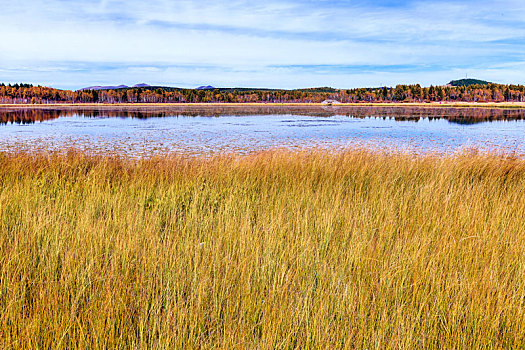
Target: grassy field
269, 250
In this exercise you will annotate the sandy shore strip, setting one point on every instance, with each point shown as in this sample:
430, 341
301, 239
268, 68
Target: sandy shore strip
508, 105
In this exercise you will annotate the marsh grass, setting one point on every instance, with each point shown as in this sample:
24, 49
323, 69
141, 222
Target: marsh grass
270, 250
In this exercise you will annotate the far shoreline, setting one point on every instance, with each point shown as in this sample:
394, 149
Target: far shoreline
498, 105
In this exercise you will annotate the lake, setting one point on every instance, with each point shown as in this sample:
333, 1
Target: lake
143, 131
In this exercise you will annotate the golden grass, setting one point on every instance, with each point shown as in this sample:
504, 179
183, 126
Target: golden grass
271, 250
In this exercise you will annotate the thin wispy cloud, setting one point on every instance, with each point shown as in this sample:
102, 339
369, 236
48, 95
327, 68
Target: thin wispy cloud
273, 44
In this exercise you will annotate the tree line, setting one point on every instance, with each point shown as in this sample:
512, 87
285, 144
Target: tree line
29, 94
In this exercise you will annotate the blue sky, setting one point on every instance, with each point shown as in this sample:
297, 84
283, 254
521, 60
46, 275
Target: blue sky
277, 44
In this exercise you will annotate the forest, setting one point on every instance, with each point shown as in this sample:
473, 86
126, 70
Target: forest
29, 94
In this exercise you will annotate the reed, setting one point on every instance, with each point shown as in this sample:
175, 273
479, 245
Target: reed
277, 249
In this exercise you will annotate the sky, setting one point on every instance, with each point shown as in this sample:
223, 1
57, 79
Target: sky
288, 44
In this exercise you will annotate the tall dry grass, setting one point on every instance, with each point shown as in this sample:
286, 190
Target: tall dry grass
272, 250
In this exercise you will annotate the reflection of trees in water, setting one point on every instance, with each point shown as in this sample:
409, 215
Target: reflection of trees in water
28, 116
455, 115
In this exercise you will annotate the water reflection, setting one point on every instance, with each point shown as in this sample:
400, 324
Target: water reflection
451, 114
138, 131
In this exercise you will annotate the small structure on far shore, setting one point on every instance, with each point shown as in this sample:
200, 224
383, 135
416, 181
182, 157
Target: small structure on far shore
331, 102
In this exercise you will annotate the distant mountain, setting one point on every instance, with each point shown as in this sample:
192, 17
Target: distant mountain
468, 82
106, 87
207, 87
141, 85
319, 89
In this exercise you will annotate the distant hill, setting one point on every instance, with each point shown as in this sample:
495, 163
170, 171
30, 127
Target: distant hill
468, 82
209, 87
319, 89
116, 87
106, 87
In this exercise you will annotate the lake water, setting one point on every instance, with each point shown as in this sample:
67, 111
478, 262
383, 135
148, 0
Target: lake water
201, 130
